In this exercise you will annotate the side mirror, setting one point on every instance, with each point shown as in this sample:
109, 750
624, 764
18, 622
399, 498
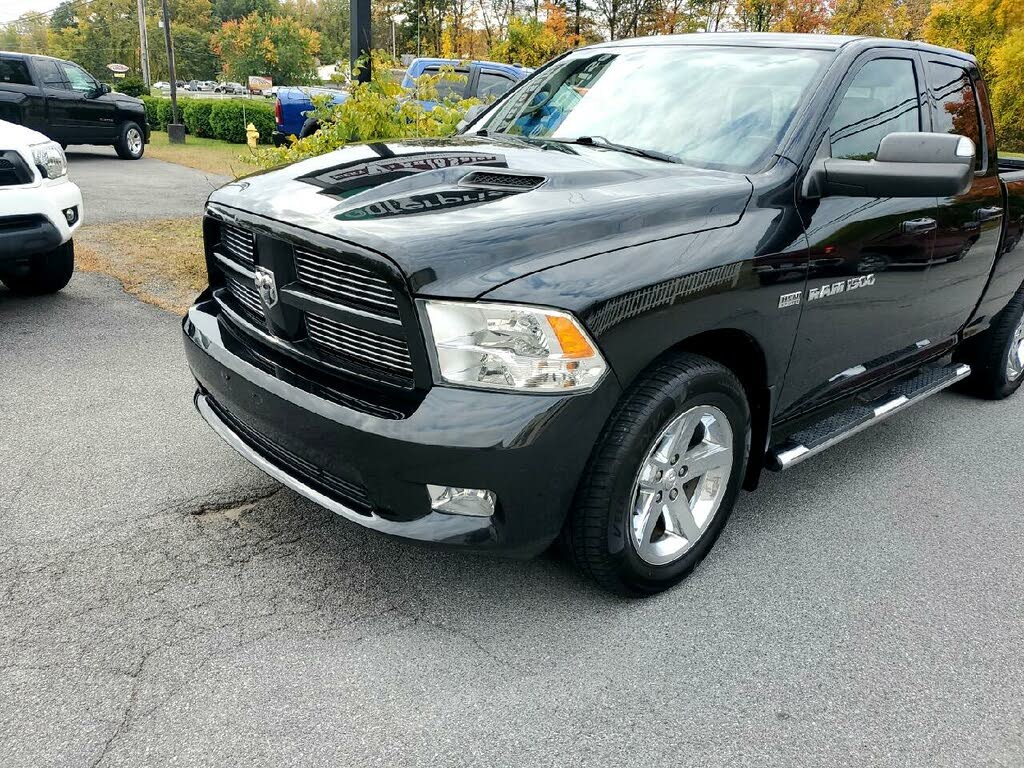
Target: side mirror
101, 90
471, 114
906, 165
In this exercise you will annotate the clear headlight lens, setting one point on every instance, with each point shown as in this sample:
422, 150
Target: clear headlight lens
50, 159
503, 346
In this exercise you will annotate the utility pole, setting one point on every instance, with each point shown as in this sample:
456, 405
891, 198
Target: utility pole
143, 43
175, 130
359, 13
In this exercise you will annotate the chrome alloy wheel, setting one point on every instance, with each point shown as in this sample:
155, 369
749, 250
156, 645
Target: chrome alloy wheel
1015, 360
133, 138
681, 484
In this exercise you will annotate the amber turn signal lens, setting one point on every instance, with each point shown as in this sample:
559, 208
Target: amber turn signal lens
573, 343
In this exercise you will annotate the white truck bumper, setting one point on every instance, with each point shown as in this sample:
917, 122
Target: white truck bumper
36, 219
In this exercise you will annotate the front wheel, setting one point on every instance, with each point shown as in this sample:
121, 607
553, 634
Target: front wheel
47, 272
662, 479
130, 143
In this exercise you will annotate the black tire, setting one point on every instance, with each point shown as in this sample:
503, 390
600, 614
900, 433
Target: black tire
597, 532
130, 144
47, 272
988, 355
309, 127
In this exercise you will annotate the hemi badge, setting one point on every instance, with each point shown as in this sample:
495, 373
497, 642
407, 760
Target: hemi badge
790, 299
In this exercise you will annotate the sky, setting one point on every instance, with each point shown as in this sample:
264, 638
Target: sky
12, 9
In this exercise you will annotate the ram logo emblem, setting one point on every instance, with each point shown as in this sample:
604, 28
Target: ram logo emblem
267, 286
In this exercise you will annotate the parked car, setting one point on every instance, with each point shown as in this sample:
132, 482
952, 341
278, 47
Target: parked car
61, 100
162, 85
601, 312
237, 88
40, 209
485, 80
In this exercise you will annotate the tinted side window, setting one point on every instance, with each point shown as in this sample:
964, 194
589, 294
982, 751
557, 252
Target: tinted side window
956, 104
14, 71
882, 99
451, 84
80, 80
492, 85
49, 74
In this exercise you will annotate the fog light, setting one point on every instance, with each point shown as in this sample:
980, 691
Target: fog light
462, 501
71, 214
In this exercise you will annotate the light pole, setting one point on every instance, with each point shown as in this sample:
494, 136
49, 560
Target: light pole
143, 43
398, 18
175, 130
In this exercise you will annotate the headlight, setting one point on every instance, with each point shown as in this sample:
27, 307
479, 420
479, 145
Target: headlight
50, 159
502, 346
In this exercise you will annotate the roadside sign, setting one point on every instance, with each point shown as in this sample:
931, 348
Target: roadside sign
258, 83
115, 68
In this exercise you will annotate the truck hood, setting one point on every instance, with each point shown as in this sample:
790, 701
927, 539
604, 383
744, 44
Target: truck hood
462, 216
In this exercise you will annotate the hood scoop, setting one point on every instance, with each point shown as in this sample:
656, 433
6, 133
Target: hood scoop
493, 180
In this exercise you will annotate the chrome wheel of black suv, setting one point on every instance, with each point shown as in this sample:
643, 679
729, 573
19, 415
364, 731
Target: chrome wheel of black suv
663, 477
996, 356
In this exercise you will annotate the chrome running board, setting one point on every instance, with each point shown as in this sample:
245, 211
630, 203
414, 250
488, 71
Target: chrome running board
839, 426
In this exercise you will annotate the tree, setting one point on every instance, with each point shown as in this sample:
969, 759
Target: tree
901, 20
804, 16
63, 16
531, 42
230, 10
975, 26
1007, 91
194, 56
278, 47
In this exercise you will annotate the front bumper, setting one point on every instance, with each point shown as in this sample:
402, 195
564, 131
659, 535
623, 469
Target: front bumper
32, 217
530, 450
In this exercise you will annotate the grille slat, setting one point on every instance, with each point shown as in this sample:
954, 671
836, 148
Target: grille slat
346, 283
245, 295
354, 343
239, 245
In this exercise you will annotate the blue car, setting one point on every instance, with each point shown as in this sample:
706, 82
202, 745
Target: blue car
485, 80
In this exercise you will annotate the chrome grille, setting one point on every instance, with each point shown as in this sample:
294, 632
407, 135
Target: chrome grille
245, 295
344, 282
238, 245
365, 347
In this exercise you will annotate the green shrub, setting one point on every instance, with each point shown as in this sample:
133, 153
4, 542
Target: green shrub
196, 115
151, 103
229, 118
131, 86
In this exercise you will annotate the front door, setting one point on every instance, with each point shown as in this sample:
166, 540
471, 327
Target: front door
969, 226
92, 115
57, 123
869, 256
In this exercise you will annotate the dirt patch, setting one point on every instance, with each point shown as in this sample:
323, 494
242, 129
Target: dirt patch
160, 262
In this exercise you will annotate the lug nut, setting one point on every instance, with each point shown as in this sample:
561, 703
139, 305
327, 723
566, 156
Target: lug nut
675, 458
683, 470
657, 477
672, 494
657, 497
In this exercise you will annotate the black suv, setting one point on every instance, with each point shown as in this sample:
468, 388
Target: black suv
61, 100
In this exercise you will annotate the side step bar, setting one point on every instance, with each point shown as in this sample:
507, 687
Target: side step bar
839, 426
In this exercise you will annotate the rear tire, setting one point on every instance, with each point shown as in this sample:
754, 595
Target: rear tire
131, 143
628, 529
47, 272
996, 356
309, 127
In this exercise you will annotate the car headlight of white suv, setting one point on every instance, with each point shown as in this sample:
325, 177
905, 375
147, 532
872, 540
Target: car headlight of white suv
512, 347
50, 159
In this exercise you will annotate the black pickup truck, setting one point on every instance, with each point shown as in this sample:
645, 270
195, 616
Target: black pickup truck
61, 100
650, 271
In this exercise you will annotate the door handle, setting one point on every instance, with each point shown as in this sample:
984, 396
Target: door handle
918, 226
987, 214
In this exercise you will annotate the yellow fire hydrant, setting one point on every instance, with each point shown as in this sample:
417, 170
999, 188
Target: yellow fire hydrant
252, 136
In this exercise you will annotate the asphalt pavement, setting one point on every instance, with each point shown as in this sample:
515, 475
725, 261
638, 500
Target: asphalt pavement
162, 603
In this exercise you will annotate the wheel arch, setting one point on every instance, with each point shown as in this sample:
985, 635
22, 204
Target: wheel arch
742, 354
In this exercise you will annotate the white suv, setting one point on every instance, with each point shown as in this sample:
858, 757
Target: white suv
40, 209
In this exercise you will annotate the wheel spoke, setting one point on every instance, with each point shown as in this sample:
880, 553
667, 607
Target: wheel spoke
644, 519
705, 458
683, 522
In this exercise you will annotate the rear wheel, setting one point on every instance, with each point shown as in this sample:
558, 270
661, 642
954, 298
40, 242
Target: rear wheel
46, 273
997, 355
130, 143
662, 479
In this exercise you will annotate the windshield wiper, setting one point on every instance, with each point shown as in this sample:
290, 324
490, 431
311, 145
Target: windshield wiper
601, 141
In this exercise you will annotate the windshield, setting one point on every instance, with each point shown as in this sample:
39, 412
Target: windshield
713, 107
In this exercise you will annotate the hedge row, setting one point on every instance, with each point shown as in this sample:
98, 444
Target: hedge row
224, 119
